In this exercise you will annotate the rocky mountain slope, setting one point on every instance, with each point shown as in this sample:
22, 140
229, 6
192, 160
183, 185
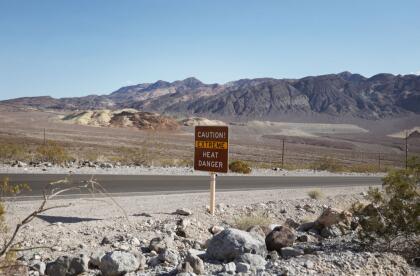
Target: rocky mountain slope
344, 94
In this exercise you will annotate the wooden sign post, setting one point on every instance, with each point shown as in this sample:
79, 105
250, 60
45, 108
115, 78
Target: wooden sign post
211, 154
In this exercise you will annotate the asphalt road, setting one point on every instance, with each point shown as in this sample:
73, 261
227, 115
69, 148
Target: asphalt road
163, 184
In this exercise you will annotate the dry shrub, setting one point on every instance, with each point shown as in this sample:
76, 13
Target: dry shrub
391, 221
52, 152
315, 194
363, 168
328, 164
239, 167
131, 156
246, 221
8, 262
12, 151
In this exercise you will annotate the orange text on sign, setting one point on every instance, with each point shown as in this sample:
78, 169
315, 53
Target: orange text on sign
211, 145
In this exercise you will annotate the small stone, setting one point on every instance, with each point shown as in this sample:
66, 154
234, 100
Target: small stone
229, 267
216, 229
135, 241
196, 263
288, 252
56, 248
242, 267
183, 212
281, 236
309, 264
40, 267
169, 256
105, 240
252, 259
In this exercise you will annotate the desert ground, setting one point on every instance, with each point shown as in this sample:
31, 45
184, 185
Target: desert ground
359, 143
181, 228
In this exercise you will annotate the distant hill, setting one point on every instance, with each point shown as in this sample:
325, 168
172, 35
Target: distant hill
343, 95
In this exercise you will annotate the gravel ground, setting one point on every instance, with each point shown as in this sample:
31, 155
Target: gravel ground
129, 223
123, 170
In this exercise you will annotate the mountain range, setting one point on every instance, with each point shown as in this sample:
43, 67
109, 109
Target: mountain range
344, 95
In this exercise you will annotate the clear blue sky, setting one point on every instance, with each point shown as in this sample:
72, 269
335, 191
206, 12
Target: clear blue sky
79, 47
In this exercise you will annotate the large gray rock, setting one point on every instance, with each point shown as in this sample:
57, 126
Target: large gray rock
280, 237
231, 243
118, 263
67, 266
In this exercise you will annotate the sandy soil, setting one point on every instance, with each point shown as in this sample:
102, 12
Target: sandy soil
85, 222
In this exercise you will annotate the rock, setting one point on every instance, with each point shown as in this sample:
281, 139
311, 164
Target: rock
288, 252
141, 258
56, 248
308, 208
161, 243
291, 223
242, 267
185, 269
118, 263
231, 243
198, 253
153, 261
304, 227
169, 256
186, 274
252, 259
307, 238
331, 216
183, 212
135, 242
308, 264
105, 240
229, 267
65, 266
216, 229
281, 236
40, 267
257, 230
332, 231
95, 258
196, 264
273, 255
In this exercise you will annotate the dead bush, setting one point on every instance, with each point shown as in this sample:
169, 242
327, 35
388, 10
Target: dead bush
327, 164
315, 194
239, 167
247, 221
52, 152
12, 151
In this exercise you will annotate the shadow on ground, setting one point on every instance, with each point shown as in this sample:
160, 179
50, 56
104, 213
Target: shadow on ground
54, 219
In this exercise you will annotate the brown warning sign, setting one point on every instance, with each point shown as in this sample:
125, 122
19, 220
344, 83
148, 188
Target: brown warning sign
211, 148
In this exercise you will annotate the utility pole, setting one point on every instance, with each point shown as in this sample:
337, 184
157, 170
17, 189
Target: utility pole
379, 161
282, 156
45, 142
406, 150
